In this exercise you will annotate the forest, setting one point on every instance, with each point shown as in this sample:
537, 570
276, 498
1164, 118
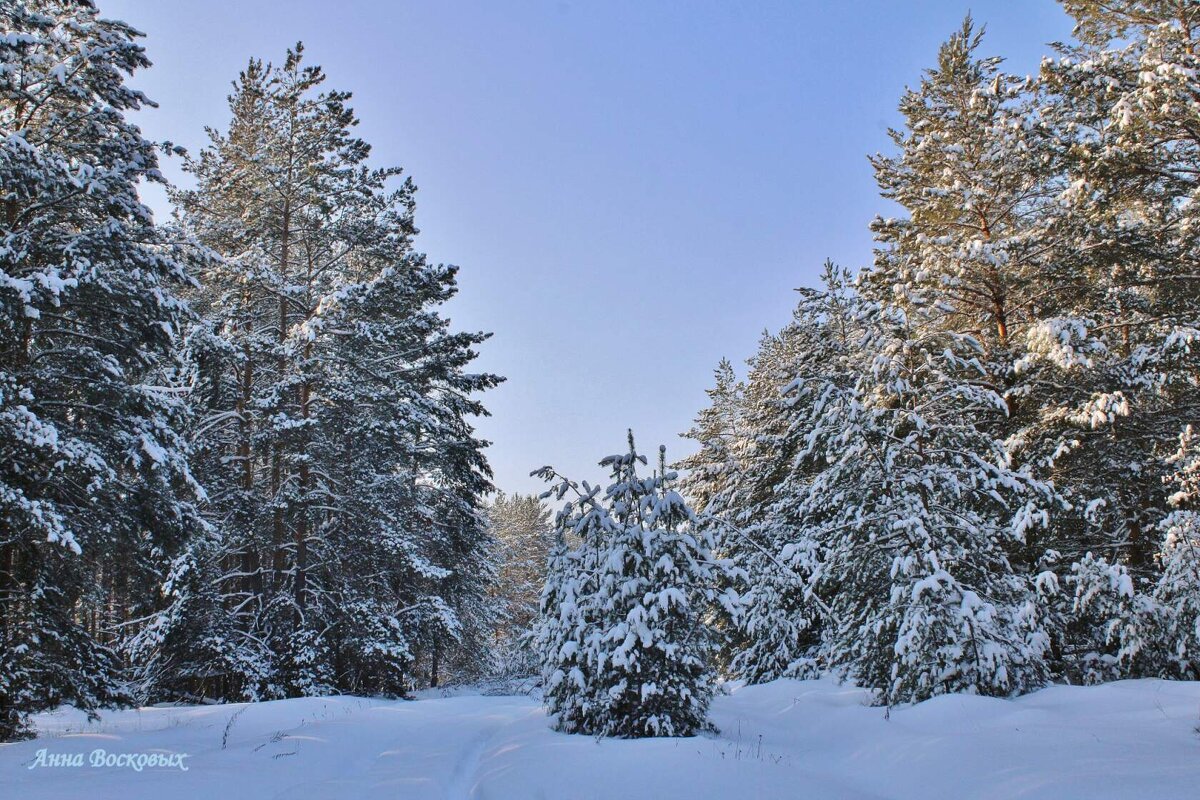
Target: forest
238, 455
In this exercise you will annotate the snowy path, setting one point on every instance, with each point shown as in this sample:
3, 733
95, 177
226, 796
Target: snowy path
811, 740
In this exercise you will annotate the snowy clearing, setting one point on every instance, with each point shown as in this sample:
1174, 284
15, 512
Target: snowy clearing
793, 739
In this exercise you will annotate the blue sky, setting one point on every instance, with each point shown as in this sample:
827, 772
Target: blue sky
632, 189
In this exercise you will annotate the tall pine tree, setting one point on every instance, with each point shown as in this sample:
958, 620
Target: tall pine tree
94, 479
332, 403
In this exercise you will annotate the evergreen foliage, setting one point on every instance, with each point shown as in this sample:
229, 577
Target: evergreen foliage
989, 483
237, 458
95, 482
520, 526
622, 640
331, 403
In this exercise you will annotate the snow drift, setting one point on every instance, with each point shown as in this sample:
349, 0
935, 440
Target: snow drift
786, 739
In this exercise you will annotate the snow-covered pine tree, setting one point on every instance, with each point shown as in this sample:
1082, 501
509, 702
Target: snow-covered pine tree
981, 249
929, 560
914, 517
1122, 104
978, 249
210, 639
712, 475
713, 469
1175, 627
332, 403
621, 638
259, 203
770, 537
94, 480
1005, 243
399, 400
520, 526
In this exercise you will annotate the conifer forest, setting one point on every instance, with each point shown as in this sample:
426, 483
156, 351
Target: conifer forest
241, 457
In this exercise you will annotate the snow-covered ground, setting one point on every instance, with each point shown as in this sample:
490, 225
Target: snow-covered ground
788, 739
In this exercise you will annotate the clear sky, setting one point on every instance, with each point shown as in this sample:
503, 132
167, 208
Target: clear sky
633, 188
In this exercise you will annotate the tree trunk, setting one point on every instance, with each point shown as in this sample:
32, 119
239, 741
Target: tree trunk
277, 521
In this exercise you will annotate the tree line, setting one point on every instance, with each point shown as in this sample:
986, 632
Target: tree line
971, 466
236, 457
